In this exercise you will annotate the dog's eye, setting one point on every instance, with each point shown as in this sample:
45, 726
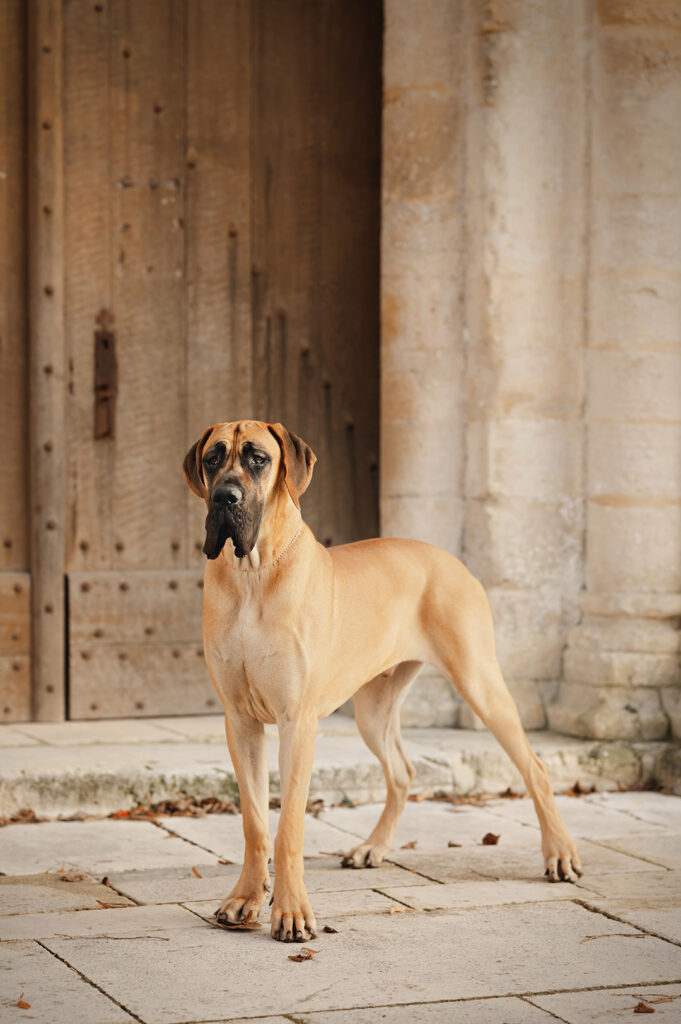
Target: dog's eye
259, 460
212, 460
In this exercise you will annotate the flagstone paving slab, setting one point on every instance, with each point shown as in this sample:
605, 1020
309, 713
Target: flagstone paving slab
647, 884
655, 808
168, 885
75, 734
661, 849
54, 991
477, 1011
659, 916
222, 834
509, 862
412, 957
34, 894
433, 824
99, 847
583, 820
480, 894
612, 1005
123, 921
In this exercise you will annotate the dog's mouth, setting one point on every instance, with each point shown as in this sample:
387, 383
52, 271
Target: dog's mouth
239, 525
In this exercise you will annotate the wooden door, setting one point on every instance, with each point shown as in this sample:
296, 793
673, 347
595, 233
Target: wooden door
221, 236
15, 579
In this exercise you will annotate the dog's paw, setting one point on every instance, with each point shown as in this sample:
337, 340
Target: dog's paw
236, 909
561, 860
365, 856
292, 918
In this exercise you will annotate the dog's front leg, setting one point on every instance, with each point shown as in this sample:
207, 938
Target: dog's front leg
246, 741
292, 917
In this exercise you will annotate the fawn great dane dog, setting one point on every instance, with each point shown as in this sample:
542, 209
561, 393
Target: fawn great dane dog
293, 629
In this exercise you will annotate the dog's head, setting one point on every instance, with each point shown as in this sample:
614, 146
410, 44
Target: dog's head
240, 468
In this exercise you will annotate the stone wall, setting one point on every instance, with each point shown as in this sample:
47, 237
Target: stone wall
531, 294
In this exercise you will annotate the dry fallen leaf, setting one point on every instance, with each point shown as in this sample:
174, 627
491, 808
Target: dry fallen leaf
305, 954
108, 906
452, 843
73, 875
225, 862
329, 930
22, 1004
613, 935
195, 873
411, 845
399, 910
490, 839
643, 1008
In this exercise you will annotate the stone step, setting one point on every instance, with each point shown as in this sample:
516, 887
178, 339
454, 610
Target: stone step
101, 767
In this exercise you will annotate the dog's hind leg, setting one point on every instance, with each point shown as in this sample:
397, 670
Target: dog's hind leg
466, 655
377, 712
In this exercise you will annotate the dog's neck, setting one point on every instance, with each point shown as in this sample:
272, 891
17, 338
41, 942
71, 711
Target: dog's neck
280, 528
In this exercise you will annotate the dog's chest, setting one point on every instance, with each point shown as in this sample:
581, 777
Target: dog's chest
254, 656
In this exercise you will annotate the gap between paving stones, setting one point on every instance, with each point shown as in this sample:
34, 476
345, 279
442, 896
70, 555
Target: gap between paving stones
88, 981
620, 920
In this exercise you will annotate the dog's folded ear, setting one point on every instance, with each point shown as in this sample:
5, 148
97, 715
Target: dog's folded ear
297, 460
192, 468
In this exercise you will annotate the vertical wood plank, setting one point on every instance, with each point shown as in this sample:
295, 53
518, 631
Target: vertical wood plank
88, 199
145, 491
316, 195
286, 224
47, 360
13, 361
218, 325
349, 92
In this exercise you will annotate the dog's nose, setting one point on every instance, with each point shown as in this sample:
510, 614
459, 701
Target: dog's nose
228, 495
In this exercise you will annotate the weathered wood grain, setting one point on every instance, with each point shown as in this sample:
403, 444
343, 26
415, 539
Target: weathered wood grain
217, 226
47, 367
135, 606
15, 616
145, 491
13, 361
15, 688
126, 681
89, 195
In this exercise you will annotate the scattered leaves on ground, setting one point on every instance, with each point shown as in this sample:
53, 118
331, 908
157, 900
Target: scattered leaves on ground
224, 861
411, 845
613, 935
330, 930
452, 843
417, 798
400, 910
305, 954
643, 1008
24, 816
314, 807
489, 839
22, 1004
195, 873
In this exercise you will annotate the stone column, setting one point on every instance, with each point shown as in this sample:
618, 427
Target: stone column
422, 274
622, 662
524, 301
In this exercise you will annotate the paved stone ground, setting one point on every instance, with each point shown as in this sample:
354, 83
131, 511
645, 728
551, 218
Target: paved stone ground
464, 935
99, 767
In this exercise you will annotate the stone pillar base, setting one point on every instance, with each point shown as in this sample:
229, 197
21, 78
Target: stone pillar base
621, 669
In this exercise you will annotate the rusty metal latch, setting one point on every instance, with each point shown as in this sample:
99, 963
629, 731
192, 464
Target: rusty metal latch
106, 377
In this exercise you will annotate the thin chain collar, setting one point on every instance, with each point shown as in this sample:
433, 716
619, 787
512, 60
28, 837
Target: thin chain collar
294, 538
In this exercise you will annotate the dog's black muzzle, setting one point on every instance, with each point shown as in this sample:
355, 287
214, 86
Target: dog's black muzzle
230, 515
